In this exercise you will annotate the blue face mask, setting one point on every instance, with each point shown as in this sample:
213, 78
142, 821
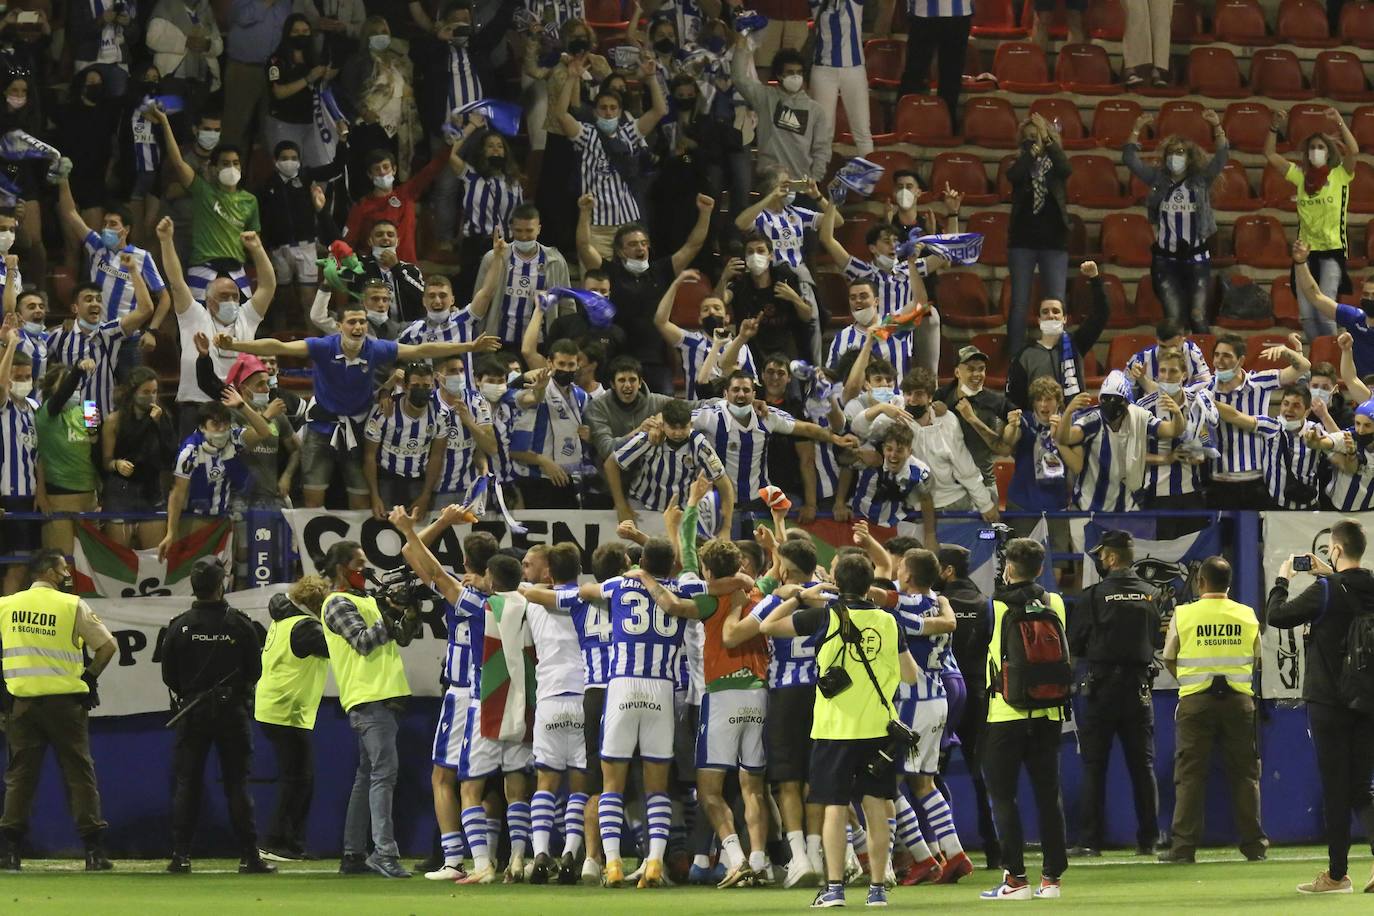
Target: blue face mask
109, 238
607, 125
1225, 375
88, 325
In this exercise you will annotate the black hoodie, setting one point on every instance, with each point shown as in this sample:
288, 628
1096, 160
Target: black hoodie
307, 638
1329, 604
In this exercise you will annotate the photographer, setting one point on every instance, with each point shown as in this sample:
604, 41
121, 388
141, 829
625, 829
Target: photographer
363, 654
857, 738
1339, 719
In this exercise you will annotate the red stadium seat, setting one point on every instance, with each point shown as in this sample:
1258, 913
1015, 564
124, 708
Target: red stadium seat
994, 226
1080, 302
884, 58
1021, 67
1078, 241
1062, 114
1277, 74
1246, 125
990, 121
1304, 120
1325, 350
1003, 184
1357, 23
1148, 309
1213, 71
687, 303
924, 121
1340, 75
1259, 241
1104, 20
1232, 189
1057, 20
1113, 120
1303, 23
994, 19
1286, 312
851, 235
993, 345
1186, 25
1126, 239
1240, 22
1085, 69
891, 160
1256, 344
1002, 471
1276, 191
1362, 126
1185, 120
607, 15
877, 123
964, 301
1124, 346
1093, 376
1094, 183
963, 172
1362, 188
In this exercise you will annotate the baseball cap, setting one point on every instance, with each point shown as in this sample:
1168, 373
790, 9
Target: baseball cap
1117, 384
1366, 409
1116, 540
971, 352
207, 574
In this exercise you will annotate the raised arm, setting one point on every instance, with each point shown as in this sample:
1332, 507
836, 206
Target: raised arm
183, 172
67, 212
265, 346
421, 559
171, 263
143, 299
1276, 121
658, 108
1355, 385
266, 275
663, 315
586, 253
529, 340
826, 233
1069, 433
568, 125
1307, 284
697, 237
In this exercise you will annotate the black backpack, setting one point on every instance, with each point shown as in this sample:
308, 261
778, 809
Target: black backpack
1036, 670
1356, 684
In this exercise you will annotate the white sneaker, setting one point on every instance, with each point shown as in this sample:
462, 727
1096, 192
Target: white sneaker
1048, 889
591, 873
1008, 891
800, 873
446, 873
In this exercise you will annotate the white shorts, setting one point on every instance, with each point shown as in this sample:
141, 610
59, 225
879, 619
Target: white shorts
558, 739
483, 757
927, 719
295, 264
639, 713
730, 735
450, 736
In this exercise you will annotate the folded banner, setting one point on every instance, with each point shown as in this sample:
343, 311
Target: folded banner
961, 249
858, 175
600, 310
503, 117
20, 145
105, 569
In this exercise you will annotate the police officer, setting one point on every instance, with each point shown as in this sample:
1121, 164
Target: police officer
211, 658
1211, 649
44, 631
1116, 627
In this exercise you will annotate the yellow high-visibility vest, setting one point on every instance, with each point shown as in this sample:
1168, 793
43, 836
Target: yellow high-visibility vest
378, 675
290, 688
1216, 638
42, 654
859, 712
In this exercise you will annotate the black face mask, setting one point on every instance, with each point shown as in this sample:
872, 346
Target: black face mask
462, 31
674, 443
496, 163
300, 42
712, 323
564, 377
917, 411
579, 46
665, 46
1363, 440
150, 86
92, 93
1113, 408
419, 397
1368, 306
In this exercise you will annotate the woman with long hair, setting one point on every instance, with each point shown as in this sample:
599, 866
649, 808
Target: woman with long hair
138, 443
294, 74
66, 451
378, 86
491, 190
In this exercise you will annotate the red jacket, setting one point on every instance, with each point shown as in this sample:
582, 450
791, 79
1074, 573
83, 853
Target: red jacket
397, 205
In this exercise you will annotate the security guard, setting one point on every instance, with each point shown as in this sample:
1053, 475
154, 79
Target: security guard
295, 660
1211, 649
1116, 627
44, 631
211, 658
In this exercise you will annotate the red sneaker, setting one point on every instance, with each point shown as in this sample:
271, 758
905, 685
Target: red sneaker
957, 867
926, 871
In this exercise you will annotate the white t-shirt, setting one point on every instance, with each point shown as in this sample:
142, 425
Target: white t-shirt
196, 319
560, 669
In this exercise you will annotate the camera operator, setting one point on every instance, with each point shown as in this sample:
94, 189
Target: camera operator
1340, 720
363, 655
211, 658
856, 736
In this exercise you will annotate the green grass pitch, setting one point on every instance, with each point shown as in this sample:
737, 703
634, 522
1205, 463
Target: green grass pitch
1221, 882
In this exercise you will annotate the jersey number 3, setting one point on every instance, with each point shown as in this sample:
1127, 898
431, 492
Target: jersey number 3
638, 622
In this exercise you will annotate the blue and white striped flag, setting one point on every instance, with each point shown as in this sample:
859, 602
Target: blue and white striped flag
600, 310
859, 175
747, 21
960, 249
19, 145
503, 117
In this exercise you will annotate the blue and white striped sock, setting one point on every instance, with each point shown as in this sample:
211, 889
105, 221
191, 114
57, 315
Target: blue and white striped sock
475, 827
452, 844
658, 809
610, 812
574, 816
518, 817
859, 837
909, 829
942, 822
541, 819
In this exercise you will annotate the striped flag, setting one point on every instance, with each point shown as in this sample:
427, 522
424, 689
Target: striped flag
104, 569
508, 662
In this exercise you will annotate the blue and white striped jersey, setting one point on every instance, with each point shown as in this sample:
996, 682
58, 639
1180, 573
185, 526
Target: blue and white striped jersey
525, 280
147, 144
36, 346
470, 612
18, 447
550, 429
459, 472
1112, 459
615, 202
503, 422
743, 446
894, 286
663, 472
931, 9
70, 346
403, 441
929, 651
686, 16
645, 640
693, 347
458, 651
592, 620
792, 659
1303, 461
886, 497
116, 286
786, 230
1178, 229
1179, 477
556, 12
1353, 491
461, 326
1198, 370
896, 349
213, 474
839, 33
488, 202
1242, 453
464, 86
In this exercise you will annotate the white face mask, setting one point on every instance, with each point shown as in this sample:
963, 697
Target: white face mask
906, 199
1170, 388
21, 389
378, 252
377, 319
453, 384
1177, 162
492, 391
865, 317
1317, 156
288, 168
1321, 394
1051, 326
636, 265
884, 261
757, 263
226, 312
207, 139
217, 440
229, 176
525, 246
1292, 425
969, 392
383, 182
6, 240
740, 412
792, 83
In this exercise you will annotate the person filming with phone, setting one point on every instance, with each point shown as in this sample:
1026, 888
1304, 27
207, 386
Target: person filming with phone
857, 738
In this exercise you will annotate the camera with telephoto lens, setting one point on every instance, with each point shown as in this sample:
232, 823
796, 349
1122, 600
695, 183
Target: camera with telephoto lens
398, 590
900, 740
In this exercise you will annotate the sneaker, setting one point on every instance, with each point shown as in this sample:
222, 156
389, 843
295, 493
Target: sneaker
922, 872
567, 869
256, 866
180, 865
485, 876
614, 875
700, 876
877, 895
353, 863
765, 878
1134, 80
738, 877
828, 897
542, 864
515, 871
1011, 888
387, 866
279, 854
1325, 884
1255, 855
1048, 889
591, 873
1176, 857
653, 874
1085, 852
1159, 79
96, 860
800, 873
447, 873
958, 867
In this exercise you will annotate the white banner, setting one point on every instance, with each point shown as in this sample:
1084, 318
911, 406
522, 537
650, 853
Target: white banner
1287, 534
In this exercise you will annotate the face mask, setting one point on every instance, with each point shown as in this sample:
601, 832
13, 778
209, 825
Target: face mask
789, 198
1321, 394
1225, 375
1367, 305
496, 163
686, 103
300, 42
376, 319
383, 182
21, 389
436, 316
1049, 326
906, 199
884, 262
713, 43
378, 252
229, 176
674, 443
525, 246
88, 325
260, 400
207, 139
419, 397
34, 327
6, 240
356, 579
881, 395
740, 412
289, 168
917, 411
665, 46
792, 83
1363, 440
109, 238
379, 42
607, 125
453, 384
492, 391
92, 93
1177, 162
712, 323
16, 102
1113, 407
579, 46
865, 316
1317, 157
226, 312
1292, 425
564, 377
1170, 388
969, 392
636, 265
757, 263
217, 440
462, 30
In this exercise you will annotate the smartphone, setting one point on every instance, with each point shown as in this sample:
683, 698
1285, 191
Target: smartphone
91, 413
1302, 563
987, 534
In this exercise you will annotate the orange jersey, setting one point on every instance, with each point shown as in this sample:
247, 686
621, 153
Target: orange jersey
748, 660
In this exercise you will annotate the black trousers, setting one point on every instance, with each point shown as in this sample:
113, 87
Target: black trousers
294, 748
470, 252
1168, 527
948, 34
1243, 494
229, 732
1033, 743
970, 729
1118, 705
1344, 741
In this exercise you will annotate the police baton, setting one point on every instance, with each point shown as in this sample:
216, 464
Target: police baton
199, 698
